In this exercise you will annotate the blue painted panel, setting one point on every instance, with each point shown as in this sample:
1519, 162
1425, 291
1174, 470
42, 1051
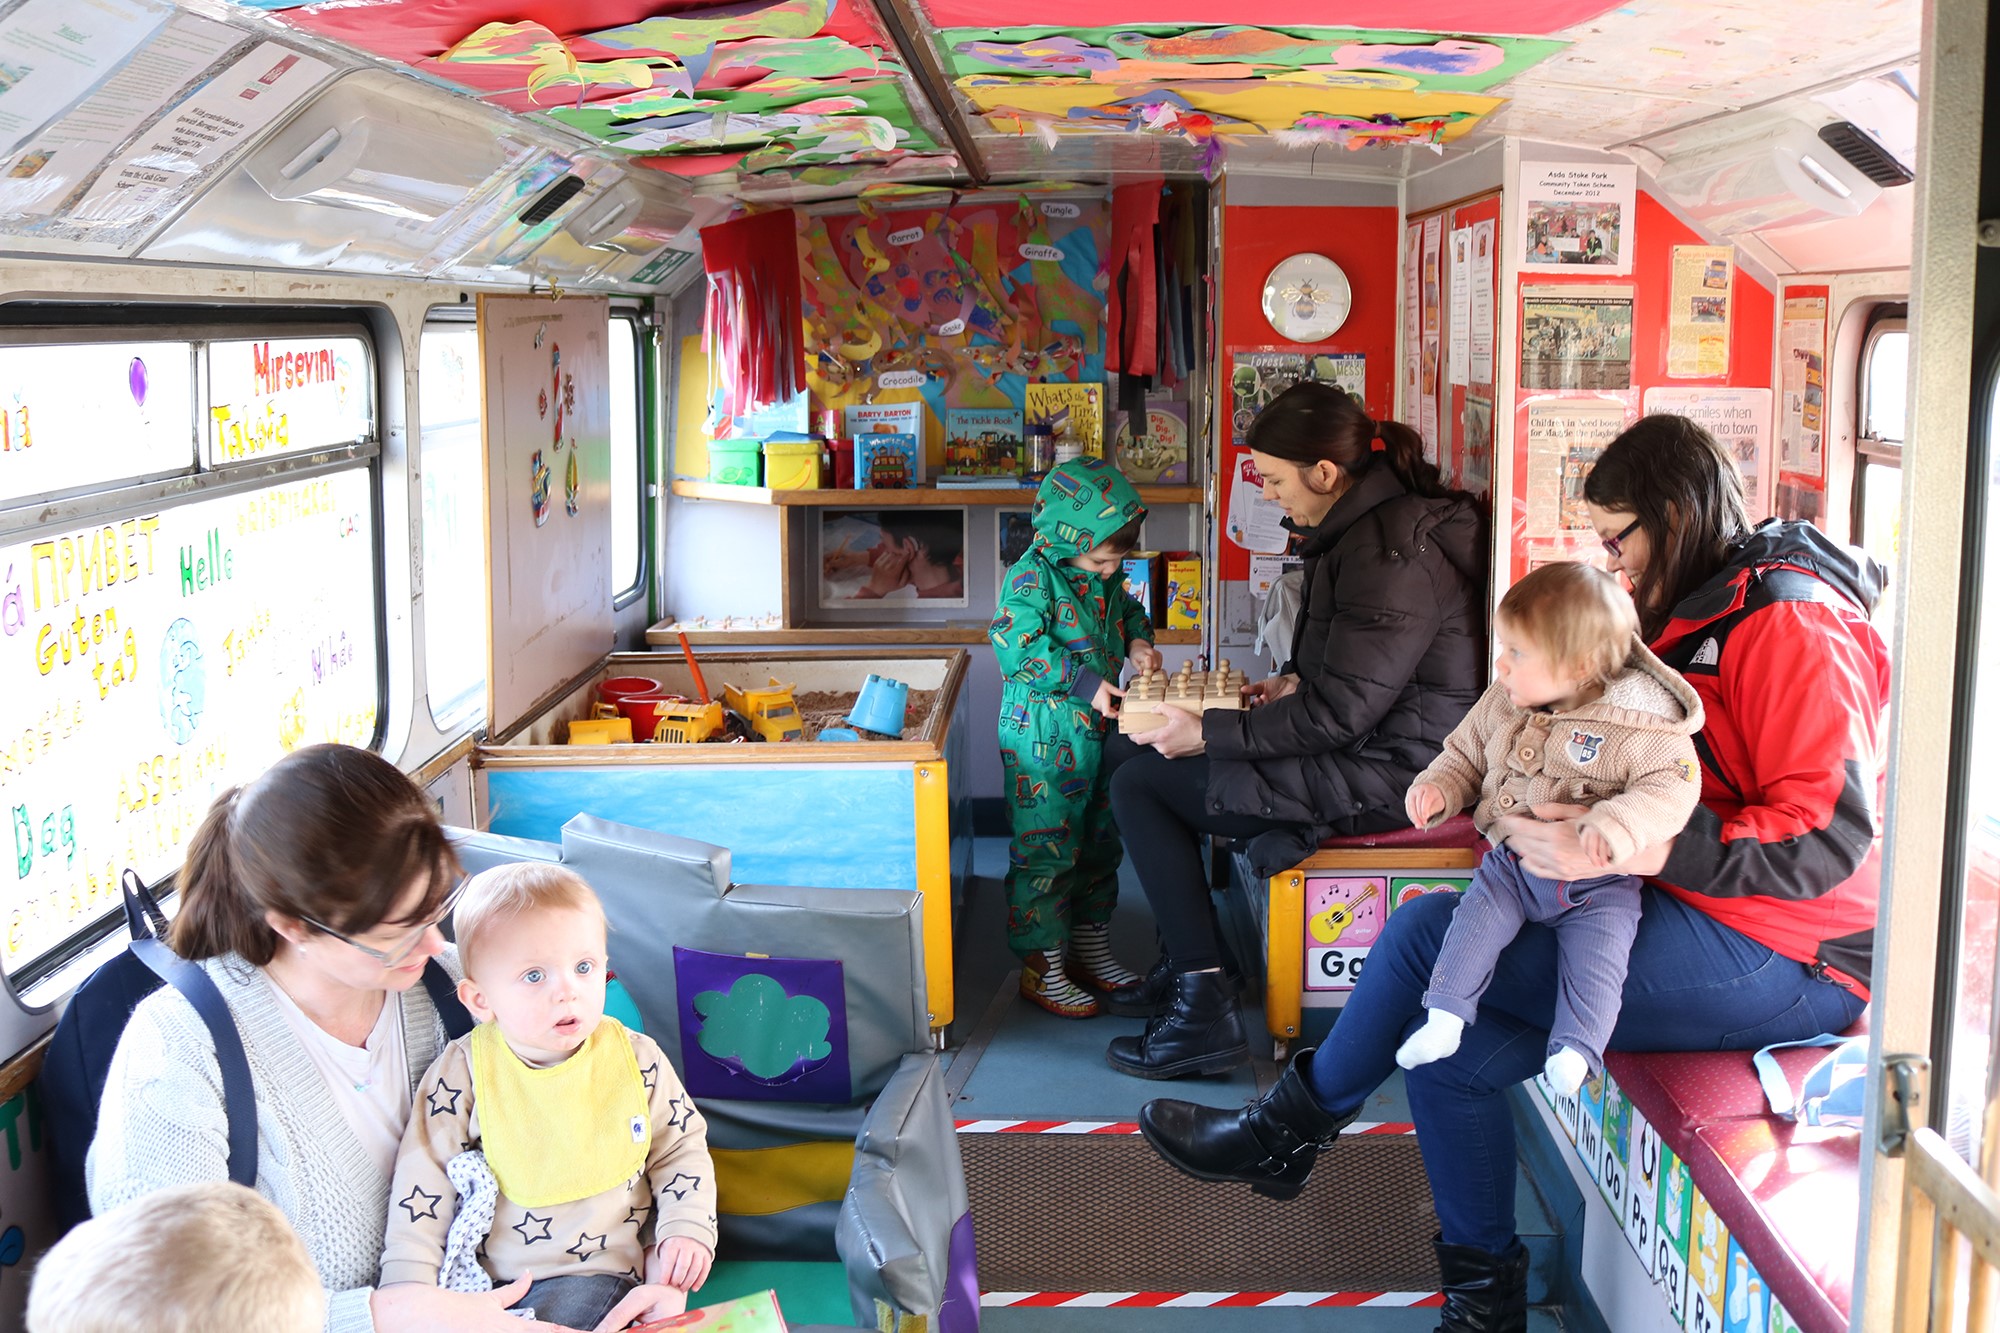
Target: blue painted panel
818, 826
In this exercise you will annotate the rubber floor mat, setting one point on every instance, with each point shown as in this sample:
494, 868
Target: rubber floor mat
1102, 1212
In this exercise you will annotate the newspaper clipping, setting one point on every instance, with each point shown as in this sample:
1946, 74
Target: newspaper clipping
1565, 436
1576, 337
1698, 311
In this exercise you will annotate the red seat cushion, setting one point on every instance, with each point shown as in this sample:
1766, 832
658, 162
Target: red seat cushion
1458, 831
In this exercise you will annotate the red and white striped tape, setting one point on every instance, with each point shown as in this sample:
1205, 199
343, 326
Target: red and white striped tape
1376, 1127
1204, 1300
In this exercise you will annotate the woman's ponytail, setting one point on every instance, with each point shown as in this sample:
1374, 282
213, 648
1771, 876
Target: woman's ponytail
1403, 451
217, 914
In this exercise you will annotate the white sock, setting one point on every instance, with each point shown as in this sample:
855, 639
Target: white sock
1566, 1071
1090, 955
1436, 1039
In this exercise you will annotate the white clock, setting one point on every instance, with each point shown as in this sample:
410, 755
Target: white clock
1307, 298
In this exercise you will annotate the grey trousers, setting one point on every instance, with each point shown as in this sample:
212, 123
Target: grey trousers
1594, 921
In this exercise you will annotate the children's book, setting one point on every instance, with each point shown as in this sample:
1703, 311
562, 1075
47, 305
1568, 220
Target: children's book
896, 419
757, 1313
887, 461
1075, 410
981, 442
1160, 457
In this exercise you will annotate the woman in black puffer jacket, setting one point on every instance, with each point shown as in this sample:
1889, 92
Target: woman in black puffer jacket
1388, 655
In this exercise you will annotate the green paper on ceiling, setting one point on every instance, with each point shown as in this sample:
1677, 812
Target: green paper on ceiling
546, 62
1437, 62
811, 57
882, 98
694, 29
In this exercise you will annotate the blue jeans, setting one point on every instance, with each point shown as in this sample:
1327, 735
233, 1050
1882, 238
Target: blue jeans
578, 1300
1694, 984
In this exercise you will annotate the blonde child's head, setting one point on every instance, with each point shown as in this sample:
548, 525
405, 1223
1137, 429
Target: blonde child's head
531, 937
1579, 618
190, 1259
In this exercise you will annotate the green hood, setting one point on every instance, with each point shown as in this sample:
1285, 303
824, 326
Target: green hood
1080, 504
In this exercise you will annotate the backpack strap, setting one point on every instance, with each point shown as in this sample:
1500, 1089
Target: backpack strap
143, 916
239, 1099
444, 998
1830, 1094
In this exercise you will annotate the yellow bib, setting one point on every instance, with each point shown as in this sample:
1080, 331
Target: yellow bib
563, 1133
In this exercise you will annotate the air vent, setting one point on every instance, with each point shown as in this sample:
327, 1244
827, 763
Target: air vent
1864, 154
551, 199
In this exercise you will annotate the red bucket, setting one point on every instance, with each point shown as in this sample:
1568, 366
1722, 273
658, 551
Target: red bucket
644, 710
613, 688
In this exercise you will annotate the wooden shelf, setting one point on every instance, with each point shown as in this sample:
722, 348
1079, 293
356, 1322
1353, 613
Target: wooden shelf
1019, 497
663, 635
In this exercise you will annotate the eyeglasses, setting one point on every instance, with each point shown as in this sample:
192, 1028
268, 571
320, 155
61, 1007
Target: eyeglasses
1616, 544
394, 957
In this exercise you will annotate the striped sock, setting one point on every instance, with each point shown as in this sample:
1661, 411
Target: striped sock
1044, 981
1091, 959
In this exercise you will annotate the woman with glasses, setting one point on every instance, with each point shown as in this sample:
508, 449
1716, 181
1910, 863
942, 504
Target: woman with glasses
1386, 660
1757, 919
312, 897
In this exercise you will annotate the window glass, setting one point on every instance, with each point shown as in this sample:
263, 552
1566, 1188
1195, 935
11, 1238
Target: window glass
80, 414
287, 395
454, 539
1882, 526
627, 456
1971, 1071
151, 661
1888, 384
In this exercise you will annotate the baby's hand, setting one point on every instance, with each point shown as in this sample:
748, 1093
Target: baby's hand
1423, 803
1106, 699
1144, 656
680, 1263
642, 1305
1594, 846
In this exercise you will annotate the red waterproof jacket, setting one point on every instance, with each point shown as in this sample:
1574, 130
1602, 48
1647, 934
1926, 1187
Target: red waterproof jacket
1786, 843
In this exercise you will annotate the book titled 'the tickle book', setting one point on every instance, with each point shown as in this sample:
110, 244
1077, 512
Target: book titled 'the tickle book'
982, 446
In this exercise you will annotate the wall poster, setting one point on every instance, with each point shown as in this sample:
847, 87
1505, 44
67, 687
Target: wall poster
1698, 310
1565, 436
1576, 337
1740, 420
1578, 215
908, 555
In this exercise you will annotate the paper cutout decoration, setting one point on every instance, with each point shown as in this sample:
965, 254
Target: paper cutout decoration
762, 1029
1041, 55
696, 28
1532, 17
533, 55
538, 493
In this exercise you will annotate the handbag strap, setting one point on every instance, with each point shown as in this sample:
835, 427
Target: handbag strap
1819, 1082
239, 1098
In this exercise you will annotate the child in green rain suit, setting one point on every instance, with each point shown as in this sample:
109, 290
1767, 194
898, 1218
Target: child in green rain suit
1063, 630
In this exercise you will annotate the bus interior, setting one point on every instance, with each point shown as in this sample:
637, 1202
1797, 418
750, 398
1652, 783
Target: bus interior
462, 359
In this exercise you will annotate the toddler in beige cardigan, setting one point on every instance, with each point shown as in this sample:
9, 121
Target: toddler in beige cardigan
1579, 713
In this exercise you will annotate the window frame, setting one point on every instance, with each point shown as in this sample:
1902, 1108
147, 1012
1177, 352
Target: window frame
467, 718
130, 497
645, 421
1884, 319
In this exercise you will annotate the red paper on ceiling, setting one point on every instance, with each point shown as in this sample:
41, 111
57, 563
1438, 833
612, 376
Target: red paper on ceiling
1516, 18
412, 30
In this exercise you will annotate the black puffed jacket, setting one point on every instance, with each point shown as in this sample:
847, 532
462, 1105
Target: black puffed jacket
1390, 651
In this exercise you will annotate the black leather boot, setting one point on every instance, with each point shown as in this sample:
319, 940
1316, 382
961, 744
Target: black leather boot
1143, 1000
1199, 1032
1483, 1293
1269, 1145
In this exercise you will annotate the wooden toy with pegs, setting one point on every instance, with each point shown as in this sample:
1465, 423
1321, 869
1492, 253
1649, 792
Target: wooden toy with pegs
1189, 690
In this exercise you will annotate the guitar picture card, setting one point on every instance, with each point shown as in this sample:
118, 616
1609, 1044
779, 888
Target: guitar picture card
1344, 916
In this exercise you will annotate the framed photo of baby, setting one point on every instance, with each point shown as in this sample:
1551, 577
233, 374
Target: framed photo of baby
910, 556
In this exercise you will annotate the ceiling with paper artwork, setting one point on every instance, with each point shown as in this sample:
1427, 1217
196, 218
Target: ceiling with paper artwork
686, 89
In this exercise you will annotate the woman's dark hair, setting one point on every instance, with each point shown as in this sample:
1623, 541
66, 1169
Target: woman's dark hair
329, 832
1319, 423
1683, 487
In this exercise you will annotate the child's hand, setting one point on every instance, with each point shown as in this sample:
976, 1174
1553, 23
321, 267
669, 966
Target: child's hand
888, 570
1594, 846
1144, 656
644, 1304
1106, 699
680, 1262
1423, 803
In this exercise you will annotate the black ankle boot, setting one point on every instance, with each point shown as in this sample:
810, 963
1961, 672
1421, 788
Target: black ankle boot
1483, 1293
1199, 1032
1269, 1145
1143, 999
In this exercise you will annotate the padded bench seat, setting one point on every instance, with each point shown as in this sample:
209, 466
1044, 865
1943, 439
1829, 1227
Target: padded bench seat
1789, 1193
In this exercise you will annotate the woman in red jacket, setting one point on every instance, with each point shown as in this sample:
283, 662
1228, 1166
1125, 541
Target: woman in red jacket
1759, 916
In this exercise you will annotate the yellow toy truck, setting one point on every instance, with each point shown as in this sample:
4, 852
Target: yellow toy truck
770, 710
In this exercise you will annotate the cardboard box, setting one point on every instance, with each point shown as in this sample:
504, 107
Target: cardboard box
887, 461
1183, 590
1142, 580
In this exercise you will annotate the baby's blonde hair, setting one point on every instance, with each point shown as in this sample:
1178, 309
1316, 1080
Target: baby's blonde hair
499, 895
1578, 615
189, 1259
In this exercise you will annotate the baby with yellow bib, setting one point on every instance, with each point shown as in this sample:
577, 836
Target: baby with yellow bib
551, 1146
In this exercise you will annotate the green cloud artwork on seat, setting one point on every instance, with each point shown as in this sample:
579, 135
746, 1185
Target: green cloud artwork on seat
756, 1025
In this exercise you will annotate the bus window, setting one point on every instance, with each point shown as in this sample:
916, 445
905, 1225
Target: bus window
628, 472
169, 638
454, 537
1971, 1066
1885, 362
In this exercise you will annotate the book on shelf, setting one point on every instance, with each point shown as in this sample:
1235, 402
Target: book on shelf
865, 419
1160, 457
981, 442
1073, 410
1005, 482
887, 461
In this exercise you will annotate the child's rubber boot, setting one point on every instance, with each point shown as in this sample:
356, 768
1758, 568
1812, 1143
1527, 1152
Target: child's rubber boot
1199, 1032
1044, 982
1269, 1145
1091, 965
